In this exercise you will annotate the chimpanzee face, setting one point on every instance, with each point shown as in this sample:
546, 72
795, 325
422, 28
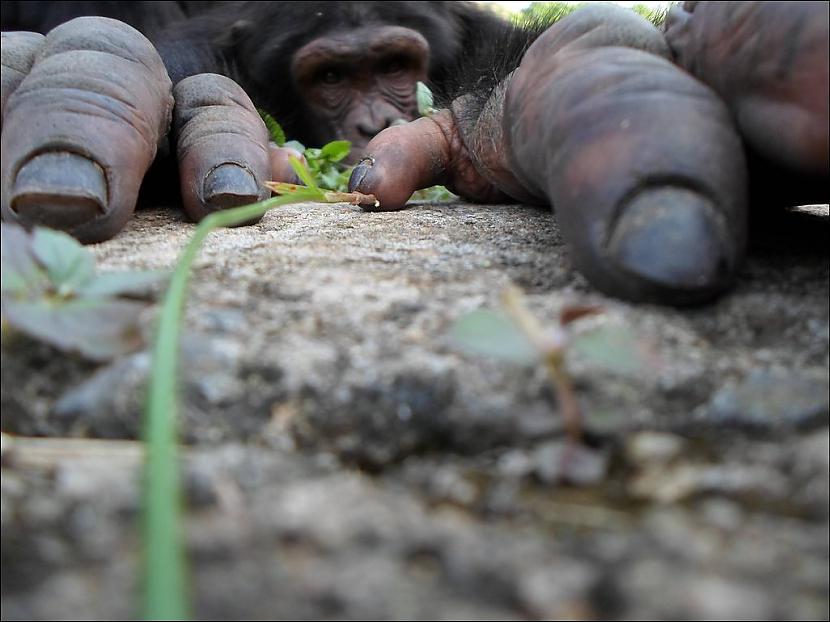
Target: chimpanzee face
357, 83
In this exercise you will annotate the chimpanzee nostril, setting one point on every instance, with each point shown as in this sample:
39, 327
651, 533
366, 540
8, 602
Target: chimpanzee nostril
371, 128
368, 130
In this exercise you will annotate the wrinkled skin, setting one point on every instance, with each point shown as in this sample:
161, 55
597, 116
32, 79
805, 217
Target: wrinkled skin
647, 166
81, 129
357, 83
87, 108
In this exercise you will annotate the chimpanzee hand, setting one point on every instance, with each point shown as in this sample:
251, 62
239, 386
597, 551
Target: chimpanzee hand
642, 162
84, 110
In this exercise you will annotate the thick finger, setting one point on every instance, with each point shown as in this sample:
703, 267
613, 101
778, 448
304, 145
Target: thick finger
426, 152
82, 128
642, 166
17, 54
222, 145
281, 169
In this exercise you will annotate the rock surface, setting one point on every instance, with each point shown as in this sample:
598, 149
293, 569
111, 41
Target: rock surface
346, 460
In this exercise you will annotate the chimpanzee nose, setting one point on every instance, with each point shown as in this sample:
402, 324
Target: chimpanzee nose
369, 128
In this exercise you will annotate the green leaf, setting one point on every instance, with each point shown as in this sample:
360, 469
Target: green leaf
68, 264
494, 334
336, 150
434, 193
613, 348
274, 129
424, 98
164, 564
12, 282
295, 145
111, 284
330, 179
98, 329
303, 174
20, 272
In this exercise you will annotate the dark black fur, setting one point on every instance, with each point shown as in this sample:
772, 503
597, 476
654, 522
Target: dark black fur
252, 42
471, 50
149, 18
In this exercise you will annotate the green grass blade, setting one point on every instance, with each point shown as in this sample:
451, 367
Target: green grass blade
164, 562
304, 174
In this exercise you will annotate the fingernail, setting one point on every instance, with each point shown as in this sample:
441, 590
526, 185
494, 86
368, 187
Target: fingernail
229, 185
60, 190
359, 174
675, 240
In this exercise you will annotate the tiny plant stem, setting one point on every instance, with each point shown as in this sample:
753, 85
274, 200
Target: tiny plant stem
513, 301
164, 566
565, 395
552, 350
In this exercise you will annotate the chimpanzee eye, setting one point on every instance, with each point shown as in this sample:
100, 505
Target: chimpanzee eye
331, 76
393, 65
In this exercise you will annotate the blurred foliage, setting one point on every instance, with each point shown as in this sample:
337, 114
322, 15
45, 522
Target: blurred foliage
425, 100
51, 292
605, 347
550, 12
325, 164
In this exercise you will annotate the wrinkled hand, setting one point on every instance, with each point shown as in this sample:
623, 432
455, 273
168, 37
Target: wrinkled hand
84, 110
643, 164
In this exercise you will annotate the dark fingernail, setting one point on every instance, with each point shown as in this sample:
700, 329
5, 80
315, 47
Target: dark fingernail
359, 174
60, 190
229, 185
675, 240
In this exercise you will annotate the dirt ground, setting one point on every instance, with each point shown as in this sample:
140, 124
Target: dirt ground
345, 460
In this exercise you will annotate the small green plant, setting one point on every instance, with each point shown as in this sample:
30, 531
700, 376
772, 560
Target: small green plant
51, 292
164, 564
325, 164
519, 337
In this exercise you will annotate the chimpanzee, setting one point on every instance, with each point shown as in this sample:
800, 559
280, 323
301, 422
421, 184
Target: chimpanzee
646, 144
85, 108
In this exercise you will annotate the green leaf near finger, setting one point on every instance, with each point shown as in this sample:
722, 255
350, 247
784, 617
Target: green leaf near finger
336, 150
68, 264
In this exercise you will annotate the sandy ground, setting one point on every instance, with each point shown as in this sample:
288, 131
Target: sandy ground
345, 460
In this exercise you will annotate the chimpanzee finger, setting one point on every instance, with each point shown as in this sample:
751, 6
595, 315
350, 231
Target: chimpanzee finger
281, 169
82, 128
17, 54
426, 152
642, 165
222, 145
